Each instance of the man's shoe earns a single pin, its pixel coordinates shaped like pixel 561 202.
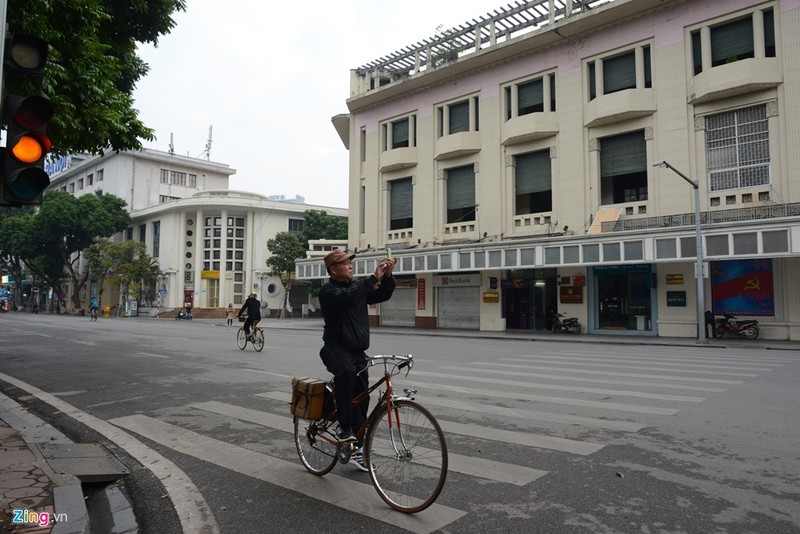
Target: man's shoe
pixel 345 436
pixel 357 461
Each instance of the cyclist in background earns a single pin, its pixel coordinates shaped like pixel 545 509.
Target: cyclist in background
pixel 253 307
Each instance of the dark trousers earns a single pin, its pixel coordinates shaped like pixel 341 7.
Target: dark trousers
pixel 344 364
pixel 249 322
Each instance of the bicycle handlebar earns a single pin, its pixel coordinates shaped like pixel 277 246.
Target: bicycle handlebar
pixel 398 361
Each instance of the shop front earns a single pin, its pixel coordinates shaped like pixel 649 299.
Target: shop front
pixel 623 300
pixel 529 297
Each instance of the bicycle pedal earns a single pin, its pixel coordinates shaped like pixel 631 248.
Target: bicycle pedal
pixel 410 392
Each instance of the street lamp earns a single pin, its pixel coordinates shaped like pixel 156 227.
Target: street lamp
pixel 701 325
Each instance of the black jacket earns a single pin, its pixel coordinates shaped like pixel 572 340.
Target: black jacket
pixel 253 307
pixel 344 308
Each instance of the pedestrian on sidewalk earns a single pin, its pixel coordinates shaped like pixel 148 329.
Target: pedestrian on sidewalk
pixel 231 313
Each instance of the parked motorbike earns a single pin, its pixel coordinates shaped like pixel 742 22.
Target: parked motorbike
pixel 182 315
pixel 570 325
pixel 747 329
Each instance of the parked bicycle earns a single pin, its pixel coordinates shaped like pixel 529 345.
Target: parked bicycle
pixel 404 447
pixel 256 337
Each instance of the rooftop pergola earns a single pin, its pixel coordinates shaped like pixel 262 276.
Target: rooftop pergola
pixel 502 25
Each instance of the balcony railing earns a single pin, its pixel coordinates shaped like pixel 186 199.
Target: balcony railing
pixel 772 211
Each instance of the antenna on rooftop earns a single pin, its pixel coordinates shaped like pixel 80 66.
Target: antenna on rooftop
pixel 171 144
pixel 207 151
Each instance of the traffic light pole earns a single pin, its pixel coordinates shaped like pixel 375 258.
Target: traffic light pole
pixel 3 7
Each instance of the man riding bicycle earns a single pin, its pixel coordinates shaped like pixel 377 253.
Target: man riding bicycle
pixel 253 307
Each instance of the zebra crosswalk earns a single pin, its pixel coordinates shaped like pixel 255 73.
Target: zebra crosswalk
pixel 526 400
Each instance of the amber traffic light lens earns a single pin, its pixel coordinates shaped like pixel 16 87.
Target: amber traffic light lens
pixel 28 149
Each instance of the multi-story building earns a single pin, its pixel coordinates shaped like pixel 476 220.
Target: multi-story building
pixel 508 164
pixel 210 242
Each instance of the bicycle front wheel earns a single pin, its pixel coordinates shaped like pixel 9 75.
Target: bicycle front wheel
pixel 241 339
pixel 407 456
pixel 258 340
pixel 316 446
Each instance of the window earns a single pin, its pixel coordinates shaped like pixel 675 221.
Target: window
pixel 71 187
pixel 402 134
pixel 532 183
pixel 164 176
pixel 89 179
pixel 296 226
pixel 735 40
pixel 401 204
pixel 192 180
pixel 623 168
pixel 142 232
pixel 619 72
pixel 737 148
pixel 458 117
pixel 100 175
pixel 531 96
pixel 177 178
pixel 461 194
pixel 129 233
pixel 165 198
pixel 80 183
pixel 156 238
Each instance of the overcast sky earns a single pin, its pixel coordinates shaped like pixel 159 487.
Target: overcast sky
pixel 268 76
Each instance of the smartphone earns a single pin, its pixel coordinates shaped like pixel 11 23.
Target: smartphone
pixel 388 253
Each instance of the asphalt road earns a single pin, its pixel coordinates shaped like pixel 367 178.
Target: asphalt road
pixel 543 436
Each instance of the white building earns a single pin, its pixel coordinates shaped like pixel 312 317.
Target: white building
pixel 508 164
pixel 210 242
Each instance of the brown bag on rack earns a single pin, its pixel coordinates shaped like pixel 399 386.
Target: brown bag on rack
pixel 308 398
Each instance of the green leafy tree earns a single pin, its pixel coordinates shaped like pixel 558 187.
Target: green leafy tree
pixel 319 224
pixel 285 248
pixel 92 66
pixel 66 225
pixel 135 269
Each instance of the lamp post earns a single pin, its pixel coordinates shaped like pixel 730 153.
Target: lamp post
pixel 701 323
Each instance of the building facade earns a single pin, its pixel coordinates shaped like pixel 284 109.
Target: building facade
pixel 210 242
pixel 508 164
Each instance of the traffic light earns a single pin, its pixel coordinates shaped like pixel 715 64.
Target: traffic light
pixel 25 55
pixel 27 143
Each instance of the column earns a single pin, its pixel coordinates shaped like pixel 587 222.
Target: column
pixel 514 101
pixel 705 46
pixel 546 96
pixel 639 60
pixel 759 43
pixel 473 114
pixel 598 78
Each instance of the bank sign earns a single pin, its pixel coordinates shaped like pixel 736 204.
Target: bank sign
pixel 457 280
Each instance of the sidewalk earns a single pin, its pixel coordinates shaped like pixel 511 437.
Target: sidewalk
pixel 35 497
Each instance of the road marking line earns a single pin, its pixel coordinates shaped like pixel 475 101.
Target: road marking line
pixel 614 373
pixel 542 398
pixel 479 467
pixel 592 380
pixel 628 366
pixel 600 359
pixel 562 387
pixel 357 497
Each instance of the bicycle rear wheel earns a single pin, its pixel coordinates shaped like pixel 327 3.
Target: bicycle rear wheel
pixel 241 339
pixel 407 456
pixel 258 340
pixel 316 445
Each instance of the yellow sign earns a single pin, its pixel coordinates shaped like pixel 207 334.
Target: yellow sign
pixel 674 279
pixel 205 275
pixel 491 296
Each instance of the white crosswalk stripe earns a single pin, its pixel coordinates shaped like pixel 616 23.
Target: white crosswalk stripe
pixel 593 399
pixel 353 496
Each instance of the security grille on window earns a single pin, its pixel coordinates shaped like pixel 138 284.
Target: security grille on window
pixel 401 204
pixel 461 194
pixel 737 148
pixel 533 183
pixel 623 168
